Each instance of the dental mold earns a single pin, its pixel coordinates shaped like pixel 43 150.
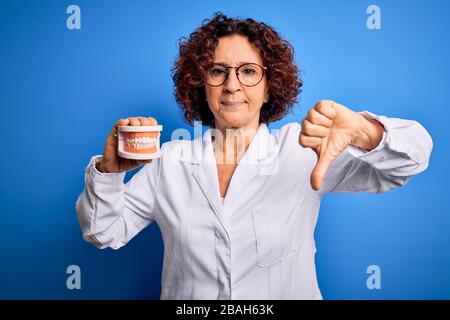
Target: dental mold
pixel 139 142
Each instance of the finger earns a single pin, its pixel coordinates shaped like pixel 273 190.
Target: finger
pixel 317 118
pixel 134 121
pixel 309 142
pixel 320 170
pixel 113 133
pixel 153 121
pixel 313 130
pixel 144 121
pixel 317 151
pixel 122 122
pixel 326 108
pixel 111 140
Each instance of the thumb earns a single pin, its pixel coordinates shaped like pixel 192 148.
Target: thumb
pixel 325 159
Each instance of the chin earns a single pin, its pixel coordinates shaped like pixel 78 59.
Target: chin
pixel 234 121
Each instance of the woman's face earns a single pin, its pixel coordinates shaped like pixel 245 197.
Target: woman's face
pixel 233 104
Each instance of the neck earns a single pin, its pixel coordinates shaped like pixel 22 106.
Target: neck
pixel 230 143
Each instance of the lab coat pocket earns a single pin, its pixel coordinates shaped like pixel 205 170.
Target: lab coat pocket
pixel 277 231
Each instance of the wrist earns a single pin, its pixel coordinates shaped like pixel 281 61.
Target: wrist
pixel 369 133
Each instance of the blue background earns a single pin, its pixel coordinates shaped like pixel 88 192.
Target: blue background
pixel 61 91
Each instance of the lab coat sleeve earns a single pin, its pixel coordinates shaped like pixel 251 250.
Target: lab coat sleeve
pixel 110 212
pixel 403 152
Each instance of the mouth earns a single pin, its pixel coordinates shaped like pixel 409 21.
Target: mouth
pixel 232 103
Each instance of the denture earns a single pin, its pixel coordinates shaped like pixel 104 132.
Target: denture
pixel 139 142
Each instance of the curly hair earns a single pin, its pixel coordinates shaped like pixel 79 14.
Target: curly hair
pixel 196 55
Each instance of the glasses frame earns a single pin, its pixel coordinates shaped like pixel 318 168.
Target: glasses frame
pixel 264 69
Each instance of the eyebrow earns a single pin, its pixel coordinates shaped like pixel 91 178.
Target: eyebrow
pixel 227 65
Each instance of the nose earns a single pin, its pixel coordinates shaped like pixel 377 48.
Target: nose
pixel 232 84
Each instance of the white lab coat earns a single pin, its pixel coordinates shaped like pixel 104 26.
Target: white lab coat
pixel 258 244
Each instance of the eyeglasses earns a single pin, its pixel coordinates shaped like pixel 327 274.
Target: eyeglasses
pixel 248 74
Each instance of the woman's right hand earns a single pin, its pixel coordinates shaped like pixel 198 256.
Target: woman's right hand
pixel 111 161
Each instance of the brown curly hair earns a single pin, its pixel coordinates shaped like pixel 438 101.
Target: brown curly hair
pixel 196 55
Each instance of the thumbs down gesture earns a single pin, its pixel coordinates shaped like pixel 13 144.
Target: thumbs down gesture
pixel 329 128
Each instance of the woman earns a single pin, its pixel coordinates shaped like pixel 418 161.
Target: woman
pixel 236 76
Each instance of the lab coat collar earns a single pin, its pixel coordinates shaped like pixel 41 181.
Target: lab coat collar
pixel 263 148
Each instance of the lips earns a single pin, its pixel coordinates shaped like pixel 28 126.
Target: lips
pixel 232 103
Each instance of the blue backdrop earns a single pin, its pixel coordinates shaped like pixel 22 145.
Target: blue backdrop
pixel 61 91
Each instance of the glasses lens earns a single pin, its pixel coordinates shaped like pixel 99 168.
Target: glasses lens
pixel 216 75
pixel 250 74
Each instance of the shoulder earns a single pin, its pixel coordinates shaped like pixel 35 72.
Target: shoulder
pixel 289 129
pixel 287 138
pixel 287 135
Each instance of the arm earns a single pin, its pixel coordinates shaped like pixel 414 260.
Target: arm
pixel 362 152
pixel 403 151
pixel 111 212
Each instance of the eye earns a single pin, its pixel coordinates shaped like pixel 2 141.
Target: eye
pixel 217 71
pixel 249 71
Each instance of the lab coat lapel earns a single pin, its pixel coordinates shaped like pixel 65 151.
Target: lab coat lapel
pixel 204 171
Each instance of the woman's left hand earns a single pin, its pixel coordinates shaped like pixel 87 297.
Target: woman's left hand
pixel 329 128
